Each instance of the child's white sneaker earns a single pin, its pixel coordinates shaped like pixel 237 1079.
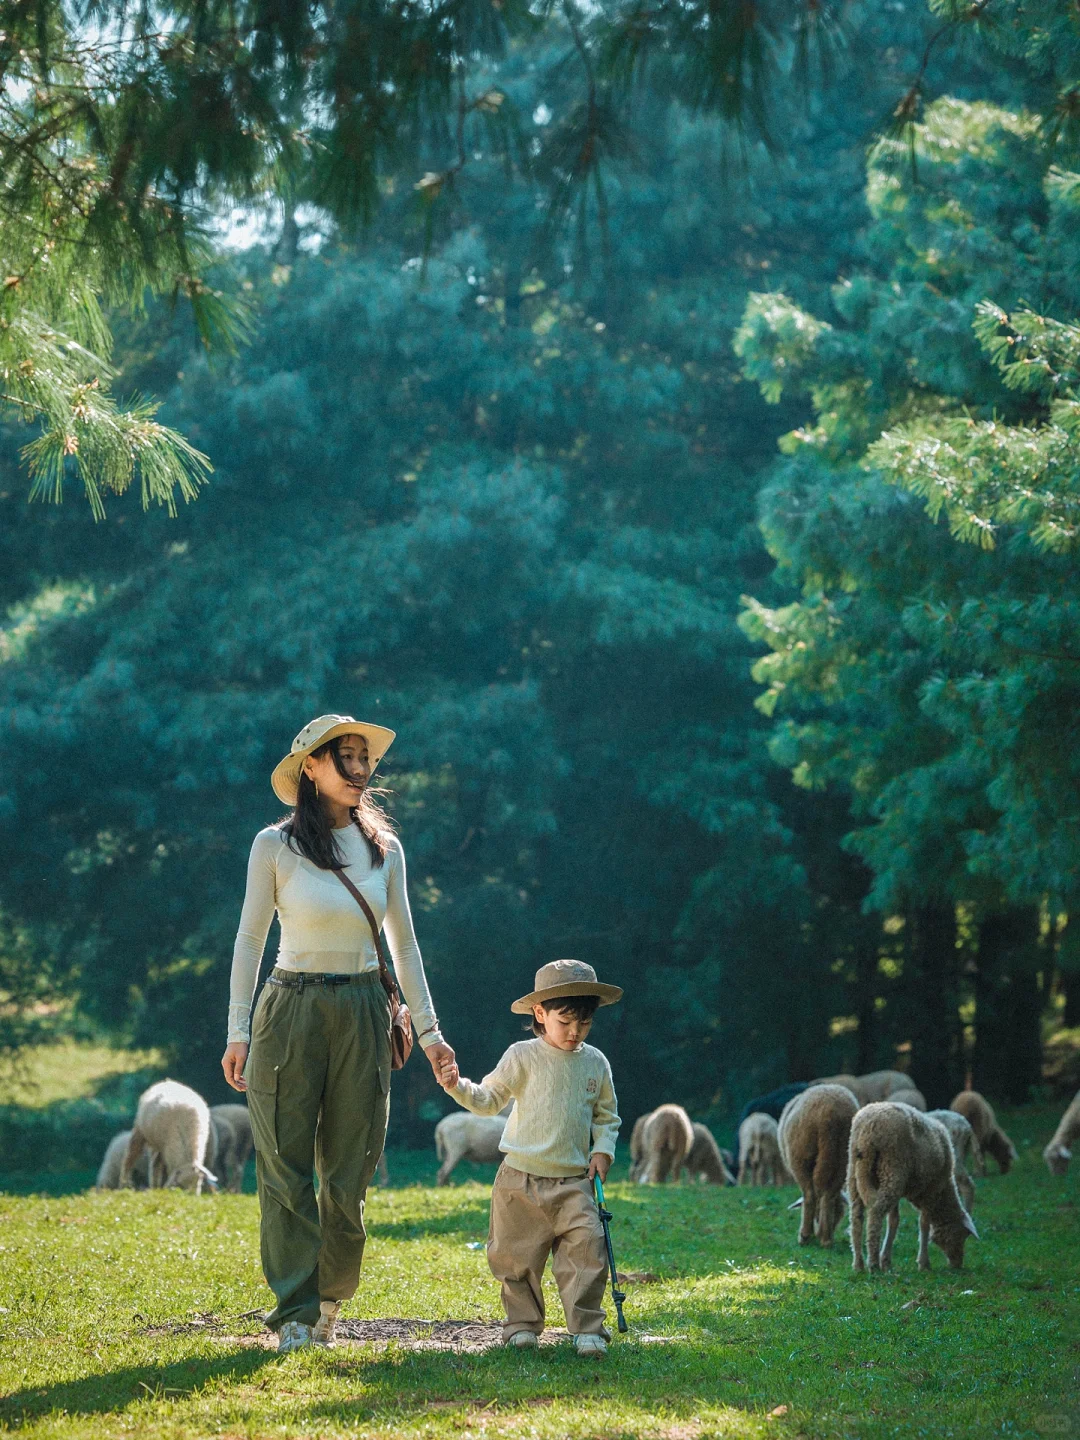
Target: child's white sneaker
pixel 293 1335
pixel 592 1347
pixel 323 1334
pixel 523 1340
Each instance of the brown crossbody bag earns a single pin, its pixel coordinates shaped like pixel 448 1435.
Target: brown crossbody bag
pixel 401 1026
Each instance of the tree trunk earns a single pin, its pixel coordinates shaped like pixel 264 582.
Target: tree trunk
pixel 932 993
pixel 1007 1060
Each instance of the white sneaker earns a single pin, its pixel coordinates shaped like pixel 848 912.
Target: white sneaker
pixel 323 1334
pixel 593 1347
pixel 523 1340
pixel 293 1335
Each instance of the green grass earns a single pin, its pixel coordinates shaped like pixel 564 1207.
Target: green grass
pixel 71 1070
pixel 750 1321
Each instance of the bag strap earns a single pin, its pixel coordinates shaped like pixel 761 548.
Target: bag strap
pixel 384 974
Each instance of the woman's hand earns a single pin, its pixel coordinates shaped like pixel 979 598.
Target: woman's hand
pixel 441 1058
pixel 233 1062
pixel 599 1164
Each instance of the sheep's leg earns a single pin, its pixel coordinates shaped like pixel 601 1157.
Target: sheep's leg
pixel 873 1234
pixel 924 1240
pixel 826 1221
pixel 806 1222
pixel 135 1147
pixel 890 1236
pixel 857 1208
pixel 453 1156
pixel 980 1161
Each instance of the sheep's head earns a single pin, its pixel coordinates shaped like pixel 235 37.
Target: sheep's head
pixel 191 1177
pixel 952 1237
pixel 1057 1158
pixel 998 1144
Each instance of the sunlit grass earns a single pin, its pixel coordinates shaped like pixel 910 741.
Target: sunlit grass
pixel 739 1323
pixel 69 1070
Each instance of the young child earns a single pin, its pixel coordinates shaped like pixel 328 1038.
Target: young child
pixel 561 1132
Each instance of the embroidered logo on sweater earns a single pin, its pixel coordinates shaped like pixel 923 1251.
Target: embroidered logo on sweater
pixel 592 1086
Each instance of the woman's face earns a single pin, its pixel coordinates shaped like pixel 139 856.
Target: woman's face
pixel 353 753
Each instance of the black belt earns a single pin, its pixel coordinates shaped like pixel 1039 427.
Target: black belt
pixel 318 978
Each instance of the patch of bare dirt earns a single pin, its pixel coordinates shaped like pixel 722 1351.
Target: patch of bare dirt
pixel 464 1336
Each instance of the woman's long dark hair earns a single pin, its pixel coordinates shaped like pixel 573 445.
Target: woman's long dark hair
pixel 308 830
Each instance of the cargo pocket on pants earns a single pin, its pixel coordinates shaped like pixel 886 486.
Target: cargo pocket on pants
pixel 262 1095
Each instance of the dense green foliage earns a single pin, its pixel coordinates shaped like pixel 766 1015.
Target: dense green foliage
pixel 505 498
pixel 143 1293
pixel 935 681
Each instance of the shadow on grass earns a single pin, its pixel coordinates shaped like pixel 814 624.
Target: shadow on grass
pixel 113 1390
pixel 472 1222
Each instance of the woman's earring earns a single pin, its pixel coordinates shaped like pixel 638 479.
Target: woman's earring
pixel 316 784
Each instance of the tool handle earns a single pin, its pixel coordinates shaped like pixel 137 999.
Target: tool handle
pixel 605 1220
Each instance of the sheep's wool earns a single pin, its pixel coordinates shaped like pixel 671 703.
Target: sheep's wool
pixel 565 1106
pixel 323 929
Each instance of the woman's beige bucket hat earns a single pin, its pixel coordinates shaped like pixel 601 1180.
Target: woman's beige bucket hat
pixel 560 978
pixel 286 776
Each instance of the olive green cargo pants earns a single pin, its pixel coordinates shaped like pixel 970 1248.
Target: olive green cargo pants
pixel 318 1076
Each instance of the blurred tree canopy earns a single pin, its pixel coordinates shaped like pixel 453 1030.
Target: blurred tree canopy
pixel 502 488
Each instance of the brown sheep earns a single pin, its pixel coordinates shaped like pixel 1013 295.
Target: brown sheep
pixel 760 1162
pixel 813 1132
pixel 965 1148
pixel 979 1114
pixel 663 1142
pixel 1058 1152
pixel 896 1154
pixel 706 1160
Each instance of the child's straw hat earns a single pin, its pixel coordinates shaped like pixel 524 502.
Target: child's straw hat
pixel 286 776
pixel 561 978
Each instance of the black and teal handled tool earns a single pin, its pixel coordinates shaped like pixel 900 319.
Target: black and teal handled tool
pixel 605 1219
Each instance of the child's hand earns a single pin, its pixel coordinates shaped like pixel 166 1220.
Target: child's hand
pixel 450 1077
pixel 599 1164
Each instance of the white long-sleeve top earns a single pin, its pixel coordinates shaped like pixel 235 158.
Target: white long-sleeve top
pixel 564 1109
pixel 323 929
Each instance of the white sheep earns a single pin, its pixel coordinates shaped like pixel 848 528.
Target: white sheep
pixel 908 1096
pixel 760 1161
pixel 173 1122
pixel 660 1145
pixel 706 1160
pixel 965 1149
pixel 1058 1153
pixel 877 1085
pixel 979 1114
pixel 813 1133
pixel 108 1176
pixel 230 1144
pixel 897 1153
pixel 461 1136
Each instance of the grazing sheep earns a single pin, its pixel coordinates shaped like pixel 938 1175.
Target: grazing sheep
pixel 965 1147
pixel 759 1152
pixel 771 1103
pixel 877 1085
pixel 909 1096
pixel 1057 1153
pixel 706 1159
pixel 665 1140
pixel 382 1171
pixel 108 1177
pixel 174 1122
pixel 467 1137
pixel 979 1114
pixel 813 1134
pixel 230 1144
pixel 897 1153
pixel 637 1146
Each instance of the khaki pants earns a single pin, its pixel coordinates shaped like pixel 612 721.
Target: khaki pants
pixel 318 1078
pixel 533 1217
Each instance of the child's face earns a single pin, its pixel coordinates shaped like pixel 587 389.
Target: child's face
pixel 561 1029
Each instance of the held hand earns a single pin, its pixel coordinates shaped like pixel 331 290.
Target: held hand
pixel 441 1059
pixel 599 1164
pixel 233 1062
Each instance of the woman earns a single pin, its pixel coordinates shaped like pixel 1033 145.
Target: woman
pixel 318 1075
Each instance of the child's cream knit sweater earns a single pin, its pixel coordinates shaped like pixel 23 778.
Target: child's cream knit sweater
pixel 564 1107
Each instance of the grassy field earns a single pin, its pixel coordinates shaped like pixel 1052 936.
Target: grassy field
pixel 130 1314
